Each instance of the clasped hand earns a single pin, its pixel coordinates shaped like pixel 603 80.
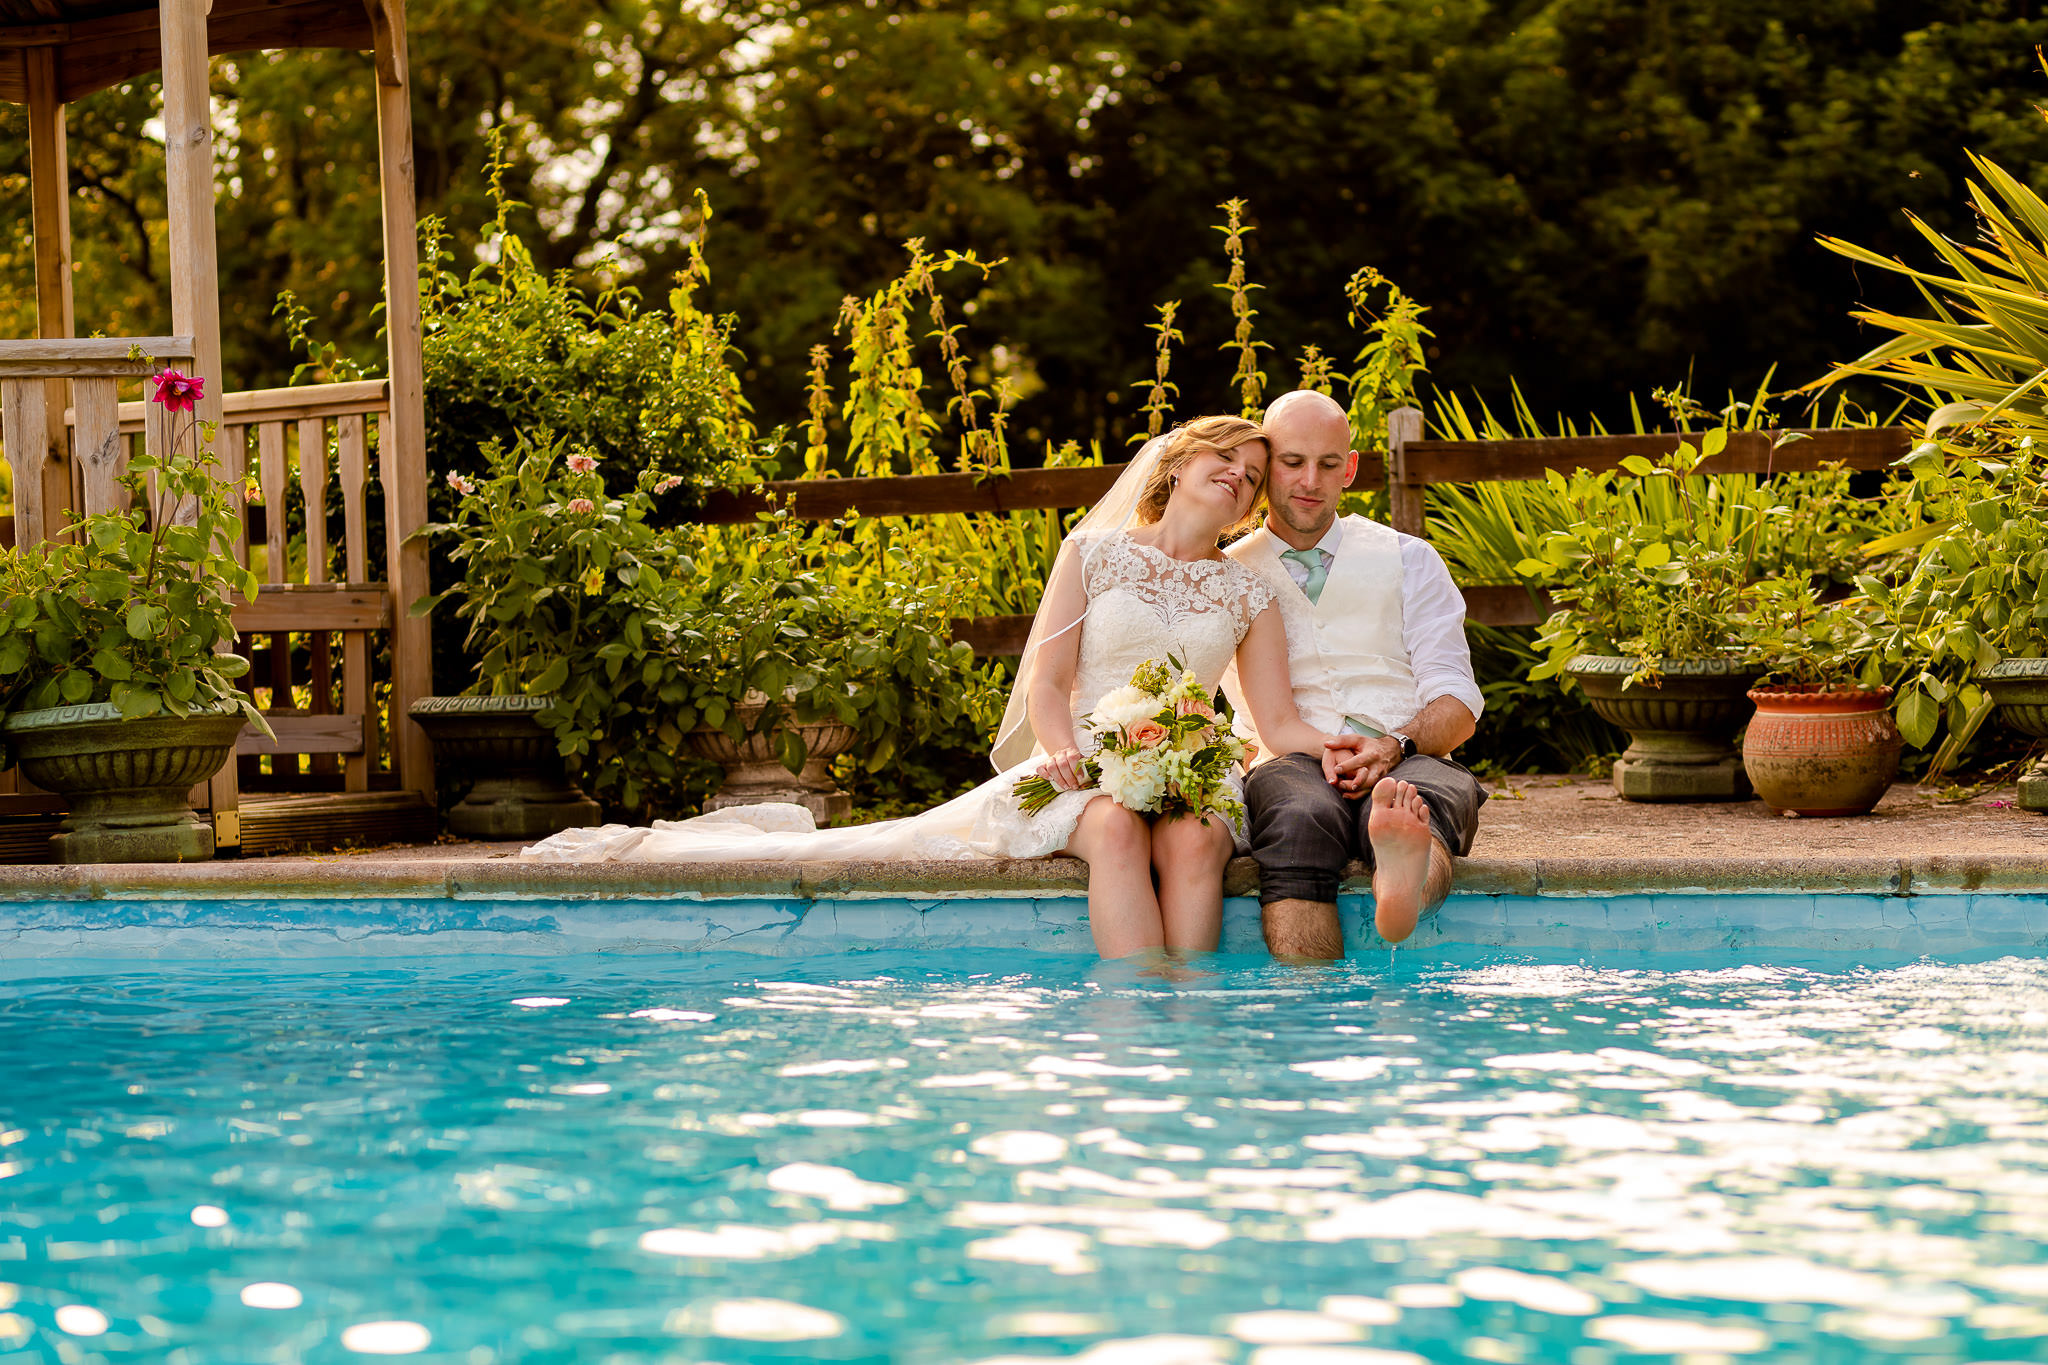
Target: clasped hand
pixel 1354 764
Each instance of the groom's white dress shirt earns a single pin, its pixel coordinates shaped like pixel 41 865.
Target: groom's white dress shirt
pixel 1432 618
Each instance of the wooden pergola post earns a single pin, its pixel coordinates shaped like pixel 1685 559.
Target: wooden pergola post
pixel 402 438
pixel 195 263
pixel 50 217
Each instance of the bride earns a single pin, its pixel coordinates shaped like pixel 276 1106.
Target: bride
pixel 1140 578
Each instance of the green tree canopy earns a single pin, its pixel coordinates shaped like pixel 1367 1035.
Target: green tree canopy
pixel 1593 196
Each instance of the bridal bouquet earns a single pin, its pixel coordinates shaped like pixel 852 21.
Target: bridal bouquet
pixel 1163 751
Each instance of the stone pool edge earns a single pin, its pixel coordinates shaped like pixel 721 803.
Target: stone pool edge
pixel 506 879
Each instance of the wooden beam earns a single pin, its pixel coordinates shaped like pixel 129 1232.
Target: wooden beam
pixel 315 606
pixel 104 52
pixel 1404 499
pixel 49 175
pixel 402 433
pixel 194 263
pixel 309 402
pixel 92 352
pixel 24 435
pixel 303 734
pixel 35 35
pixel 1748 452
pixel 13 76
pixel 930 494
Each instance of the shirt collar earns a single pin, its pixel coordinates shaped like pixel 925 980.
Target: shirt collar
pixel 1332 538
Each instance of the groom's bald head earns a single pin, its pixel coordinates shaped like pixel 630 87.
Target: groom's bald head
pixel 1312 462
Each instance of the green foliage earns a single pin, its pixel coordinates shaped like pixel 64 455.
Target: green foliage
pixel 1972 589
pixel 1965 582
pixel 815 627
pixel 1446 143
pixel 1653 563
pixel 137 606
pixel 1800 639
pixel 642 633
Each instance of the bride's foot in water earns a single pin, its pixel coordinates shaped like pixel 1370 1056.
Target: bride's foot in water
pixel 1399 830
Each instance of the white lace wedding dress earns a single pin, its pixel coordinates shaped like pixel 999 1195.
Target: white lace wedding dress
pixel 1143 604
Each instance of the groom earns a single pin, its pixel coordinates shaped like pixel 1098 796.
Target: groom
pixel 1377 653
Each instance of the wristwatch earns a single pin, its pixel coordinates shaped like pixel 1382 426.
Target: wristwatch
pixel 1407 744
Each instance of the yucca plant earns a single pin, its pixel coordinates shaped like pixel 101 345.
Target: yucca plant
pixel 1970 584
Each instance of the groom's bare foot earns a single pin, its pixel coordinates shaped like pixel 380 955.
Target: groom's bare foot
pixel 1399 830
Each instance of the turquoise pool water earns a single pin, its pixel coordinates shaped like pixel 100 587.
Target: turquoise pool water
pixel 986 1156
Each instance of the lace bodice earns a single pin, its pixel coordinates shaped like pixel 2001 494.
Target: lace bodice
pixel 1145 604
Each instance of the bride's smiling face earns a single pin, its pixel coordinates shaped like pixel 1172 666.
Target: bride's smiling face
pixel 1225 482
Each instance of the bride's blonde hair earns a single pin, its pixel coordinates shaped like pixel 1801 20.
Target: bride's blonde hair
pixel 1187 441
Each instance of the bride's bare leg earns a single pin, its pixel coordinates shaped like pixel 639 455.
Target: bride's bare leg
pixel 1123 912
pixel 1188 858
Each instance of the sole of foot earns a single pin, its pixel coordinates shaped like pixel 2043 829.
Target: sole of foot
pixel 1399 830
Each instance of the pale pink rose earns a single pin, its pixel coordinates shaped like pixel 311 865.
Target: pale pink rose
pixel 1195 706
pixel 461 485
pixel 1149 734
pixel 582 464
pixel 582 505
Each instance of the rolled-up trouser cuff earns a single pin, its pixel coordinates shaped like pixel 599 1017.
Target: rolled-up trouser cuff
pixel 1298 884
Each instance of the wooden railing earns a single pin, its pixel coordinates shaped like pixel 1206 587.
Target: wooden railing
pixel 311 631
pixel 1412 466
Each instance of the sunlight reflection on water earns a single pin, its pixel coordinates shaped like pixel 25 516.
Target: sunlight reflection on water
pixel 1020 1157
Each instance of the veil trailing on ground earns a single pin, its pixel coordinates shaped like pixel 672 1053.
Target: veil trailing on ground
pixel 1015 740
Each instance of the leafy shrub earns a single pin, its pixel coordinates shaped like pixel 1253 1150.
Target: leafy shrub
pixel 135 607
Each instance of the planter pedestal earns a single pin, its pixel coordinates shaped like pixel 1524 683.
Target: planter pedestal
pixel 128 781
pixel 755 775
pixel 521 789
pixel 1682 734
pixel 2020 687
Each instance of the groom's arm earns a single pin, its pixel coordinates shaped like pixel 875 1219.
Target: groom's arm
pixel 1433 633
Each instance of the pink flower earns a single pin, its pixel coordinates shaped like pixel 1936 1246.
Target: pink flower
pixel 461 485
pixel 252 491
pixel 1195 706
pixel 1149 734
pixel 177 390
pixel 582 464
pixel 582 505
pixel 672 481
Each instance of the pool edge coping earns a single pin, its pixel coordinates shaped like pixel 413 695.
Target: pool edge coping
pixel 502 878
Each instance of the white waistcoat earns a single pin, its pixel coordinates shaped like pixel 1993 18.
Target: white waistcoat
pixel 1346 653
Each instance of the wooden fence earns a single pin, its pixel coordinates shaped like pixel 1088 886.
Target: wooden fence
pixel 317 631
pixel 1411 467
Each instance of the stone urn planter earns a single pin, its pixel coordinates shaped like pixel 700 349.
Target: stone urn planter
pixel 521 790
pixel 1815 750
pixel 754 773
pixel 128 781
pixel 1681 734
pixel 2020 687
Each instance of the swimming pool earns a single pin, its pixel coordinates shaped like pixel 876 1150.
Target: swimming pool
pixel 998 1154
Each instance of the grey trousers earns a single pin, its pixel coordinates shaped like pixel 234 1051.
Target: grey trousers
pixel 1303 830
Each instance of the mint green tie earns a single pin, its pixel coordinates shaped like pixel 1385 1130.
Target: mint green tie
pixel 1312 560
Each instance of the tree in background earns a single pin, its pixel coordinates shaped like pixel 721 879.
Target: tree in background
pixel 1594 196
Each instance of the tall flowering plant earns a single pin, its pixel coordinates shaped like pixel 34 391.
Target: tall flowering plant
pixel 1162 749
pixel 136 606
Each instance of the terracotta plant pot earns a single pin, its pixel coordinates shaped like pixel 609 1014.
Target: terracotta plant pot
pixel 1681 733
pixel 1815 750
pixel 520 788
pixel 754 771
pixel 128 781
pixel 2020 687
